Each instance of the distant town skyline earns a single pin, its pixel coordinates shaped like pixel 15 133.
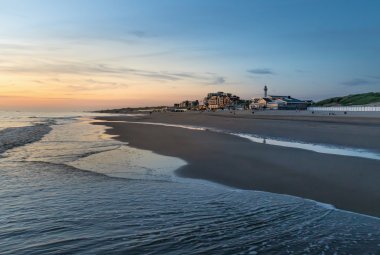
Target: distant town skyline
pixel 107 54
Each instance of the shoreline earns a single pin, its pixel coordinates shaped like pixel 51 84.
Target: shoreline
pixel 347 183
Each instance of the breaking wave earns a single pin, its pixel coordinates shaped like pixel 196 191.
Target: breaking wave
pixel 19 136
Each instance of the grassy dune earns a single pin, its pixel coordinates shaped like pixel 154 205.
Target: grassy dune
pixel 358 99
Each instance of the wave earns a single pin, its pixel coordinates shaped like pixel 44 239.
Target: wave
pixel 52 206
pixel 19 136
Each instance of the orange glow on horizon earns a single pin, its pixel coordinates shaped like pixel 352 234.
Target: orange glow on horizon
pixel 35 93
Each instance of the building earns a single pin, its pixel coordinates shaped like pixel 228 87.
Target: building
pixel 274 102
pixel 279 103
pixel 259 103
pixel 187 105
pixel 194 105
pixel 290 103
pixel 184 105
pixel 221 100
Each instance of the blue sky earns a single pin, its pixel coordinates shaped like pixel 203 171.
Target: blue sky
pixel 162 51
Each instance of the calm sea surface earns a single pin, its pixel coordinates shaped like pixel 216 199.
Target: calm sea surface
pixel 67 188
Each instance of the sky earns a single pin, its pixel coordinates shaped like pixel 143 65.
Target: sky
pixel 96 54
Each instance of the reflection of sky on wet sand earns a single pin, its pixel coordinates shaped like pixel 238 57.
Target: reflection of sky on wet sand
pixel 131 163
pixel 167 125
pixel 48 206
pixel 76 142
pixel 320 148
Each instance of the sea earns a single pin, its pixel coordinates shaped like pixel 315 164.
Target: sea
pixel 66 187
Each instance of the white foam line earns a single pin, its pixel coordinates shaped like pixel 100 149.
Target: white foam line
pixel 320 148
pixel 168 125
pixel 258 140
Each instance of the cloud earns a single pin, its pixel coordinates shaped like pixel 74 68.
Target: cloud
pixel 139 33
pixel 185 75
pixel 261 71
pixel 220 80
pixel 103 70
pixel 11 48
pixel 375 77
pixel 95 86
pixel 157 75
pixel 211 78
pixel 151 54
pixel 208 78
pixel 57 67
pixel 83 69
pixel 32 97
pixel 106 83
pixel 357 82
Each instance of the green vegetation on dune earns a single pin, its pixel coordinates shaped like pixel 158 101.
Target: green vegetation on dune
pixel 358 99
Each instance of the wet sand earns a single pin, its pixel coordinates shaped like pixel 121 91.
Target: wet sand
pixel 348 183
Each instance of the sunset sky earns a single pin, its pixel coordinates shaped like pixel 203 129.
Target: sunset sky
pixel 86 54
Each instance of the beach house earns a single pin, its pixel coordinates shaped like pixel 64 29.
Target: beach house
pixel 279 103
pixel 221 100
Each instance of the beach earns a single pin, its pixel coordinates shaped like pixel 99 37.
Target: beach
pixel 346 182
pixel 191 187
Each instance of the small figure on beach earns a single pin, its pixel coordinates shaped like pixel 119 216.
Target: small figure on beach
pixel 150 113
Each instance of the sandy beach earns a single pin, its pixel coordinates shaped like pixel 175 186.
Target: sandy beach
pixel 349 183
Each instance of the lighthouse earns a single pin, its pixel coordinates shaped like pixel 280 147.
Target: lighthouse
pixel 265 91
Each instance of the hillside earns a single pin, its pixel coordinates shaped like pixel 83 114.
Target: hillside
pixel 358 99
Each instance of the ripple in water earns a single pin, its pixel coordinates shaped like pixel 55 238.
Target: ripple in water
pixel 50 207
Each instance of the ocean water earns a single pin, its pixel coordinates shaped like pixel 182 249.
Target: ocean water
pixel 67 188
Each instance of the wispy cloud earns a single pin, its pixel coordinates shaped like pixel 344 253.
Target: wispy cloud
pixel 220 80
pixel 103 70
pixel 140 34
pixel 157 75
pixel 357 82
pixel 27 48
pixel 106 83
pixel 206 78
pixel 97 85
pixel 374 77
pixel 33 97
pixel 261 71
